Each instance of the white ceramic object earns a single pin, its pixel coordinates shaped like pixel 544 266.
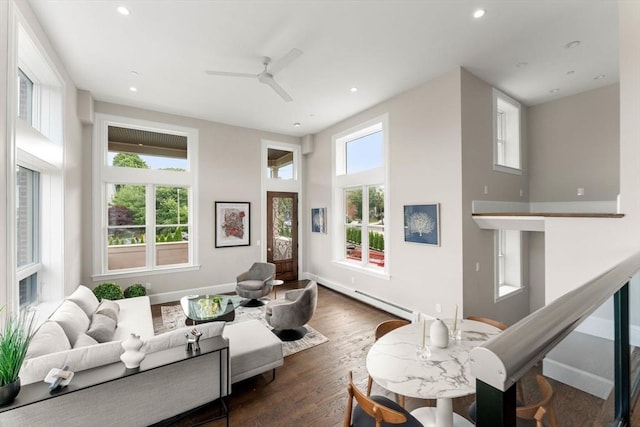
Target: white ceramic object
pixel 132 356
pixel 439 334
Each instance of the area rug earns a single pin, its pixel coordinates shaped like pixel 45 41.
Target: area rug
pixel 173 317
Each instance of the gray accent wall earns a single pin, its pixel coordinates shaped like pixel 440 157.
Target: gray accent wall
pixel 477 172
pixel 575 142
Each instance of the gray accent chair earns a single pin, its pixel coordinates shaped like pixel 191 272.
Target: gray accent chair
pixel 255 283
pixel 288 316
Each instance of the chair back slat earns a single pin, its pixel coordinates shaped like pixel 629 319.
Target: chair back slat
pixel 377 411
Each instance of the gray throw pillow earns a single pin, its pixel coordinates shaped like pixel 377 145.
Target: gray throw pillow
pixel 102 328
pixel 109 308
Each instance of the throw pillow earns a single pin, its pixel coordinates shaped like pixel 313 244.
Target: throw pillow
pixel 84 340
pixel 72 318
pixel 85 298
pixel 102 328
pixel 109 308
pixel 48 338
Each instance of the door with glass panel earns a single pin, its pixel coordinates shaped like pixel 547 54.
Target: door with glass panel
pixel 282 234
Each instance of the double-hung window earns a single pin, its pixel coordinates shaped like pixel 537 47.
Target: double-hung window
pixel 360 199
pixel 508 262
pixel 506 133
pixel 146 177
pixel 28 234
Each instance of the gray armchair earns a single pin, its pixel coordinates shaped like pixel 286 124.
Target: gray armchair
pixel 255 283
pixel 289 315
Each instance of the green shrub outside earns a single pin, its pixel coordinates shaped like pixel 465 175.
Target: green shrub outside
pixel 135 290
pixel 108 290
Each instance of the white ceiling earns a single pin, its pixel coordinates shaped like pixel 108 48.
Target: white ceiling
pixel 382 47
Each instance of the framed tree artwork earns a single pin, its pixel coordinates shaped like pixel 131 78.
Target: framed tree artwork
pixel 319 220
pixel 232 224
pixel 422 224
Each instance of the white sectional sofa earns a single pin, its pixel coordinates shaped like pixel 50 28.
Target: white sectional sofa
pixel 83 333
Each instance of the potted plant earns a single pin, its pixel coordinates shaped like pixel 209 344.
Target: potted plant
pixel 108 290
pixel 15 337
pixel 135 290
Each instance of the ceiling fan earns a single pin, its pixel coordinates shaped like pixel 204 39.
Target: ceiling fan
pixel 266 76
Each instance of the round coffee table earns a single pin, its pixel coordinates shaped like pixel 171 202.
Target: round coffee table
pixel 275 283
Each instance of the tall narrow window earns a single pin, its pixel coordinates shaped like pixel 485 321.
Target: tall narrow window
pixel 359 186
pixel 28 234
pixel 508 258
pixel 506 125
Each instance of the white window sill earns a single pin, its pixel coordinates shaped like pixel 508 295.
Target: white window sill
pixel 507 169
pixel 138 273
pixel 506 291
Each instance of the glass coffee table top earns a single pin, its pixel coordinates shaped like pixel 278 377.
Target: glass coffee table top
pixel 209 308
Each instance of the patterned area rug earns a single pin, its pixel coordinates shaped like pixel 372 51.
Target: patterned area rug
pixel 173 317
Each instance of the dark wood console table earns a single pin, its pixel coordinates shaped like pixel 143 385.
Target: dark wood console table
pixel 167 384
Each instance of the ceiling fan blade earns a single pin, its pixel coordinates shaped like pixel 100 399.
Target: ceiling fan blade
pixel 229 74
pixel 285 60
pixel 279 90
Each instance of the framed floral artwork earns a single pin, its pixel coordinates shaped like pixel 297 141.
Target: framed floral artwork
pixel 422 224
pixel 232 224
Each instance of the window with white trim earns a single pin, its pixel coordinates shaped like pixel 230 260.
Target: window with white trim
pixel 360 199
pixel 39 190
pixel 147 179
pixel 506 133
pixel 508 260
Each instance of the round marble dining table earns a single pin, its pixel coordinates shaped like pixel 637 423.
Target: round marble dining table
pixel 395 363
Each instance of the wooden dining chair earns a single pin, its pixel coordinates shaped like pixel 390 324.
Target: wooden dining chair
pixel 536 411
pixel 494 323
pixel 382 329
pixel 374 410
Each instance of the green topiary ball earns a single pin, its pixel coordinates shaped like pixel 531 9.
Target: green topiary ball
pixel 108 290
pixel 135 290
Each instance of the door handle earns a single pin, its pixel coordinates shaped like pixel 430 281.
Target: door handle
pixel 268 249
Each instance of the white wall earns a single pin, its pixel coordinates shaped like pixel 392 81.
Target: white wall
pixel 578 250
pixel 5 276
pixel 425 153
pixel 229 167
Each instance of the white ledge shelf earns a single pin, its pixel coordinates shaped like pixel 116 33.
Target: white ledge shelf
pixel 528 221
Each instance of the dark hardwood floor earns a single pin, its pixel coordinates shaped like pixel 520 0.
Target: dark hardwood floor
pixel 310 390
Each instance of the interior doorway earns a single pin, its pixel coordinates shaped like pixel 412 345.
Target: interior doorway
pixel 282 233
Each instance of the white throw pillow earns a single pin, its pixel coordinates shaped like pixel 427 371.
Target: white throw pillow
pixel 85 298
pixel 84 340
pixel 49 338
pixel 72 318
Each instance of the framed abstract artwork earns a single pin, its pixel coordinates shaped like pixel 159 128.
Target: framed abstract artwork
pixel 422 224
pixel 232 224
pixel 319 220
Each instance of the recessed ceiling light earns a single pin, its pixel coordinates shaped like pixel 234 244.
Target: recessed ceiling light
pixel 479 13
pixel 572 44
pixel 133 89
pixel 554 91
pixel 124 11
pixel 522 64
pixel 599 76
pixel 570 72
pixel 354 89
pixel 296 124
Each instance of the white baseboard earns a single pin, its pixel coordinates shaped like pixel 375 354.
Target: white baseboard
pixel 367 299
pixel 206 290
pixel 604 328
pixel 582 380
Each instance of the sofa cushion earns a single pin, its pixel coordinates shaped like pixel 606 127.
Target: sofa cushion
pixel 102 328
pixel 253 349
pixel 85 298
pixel 109 308
pixel 84 340
pixel 72 318
pixel 48 338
